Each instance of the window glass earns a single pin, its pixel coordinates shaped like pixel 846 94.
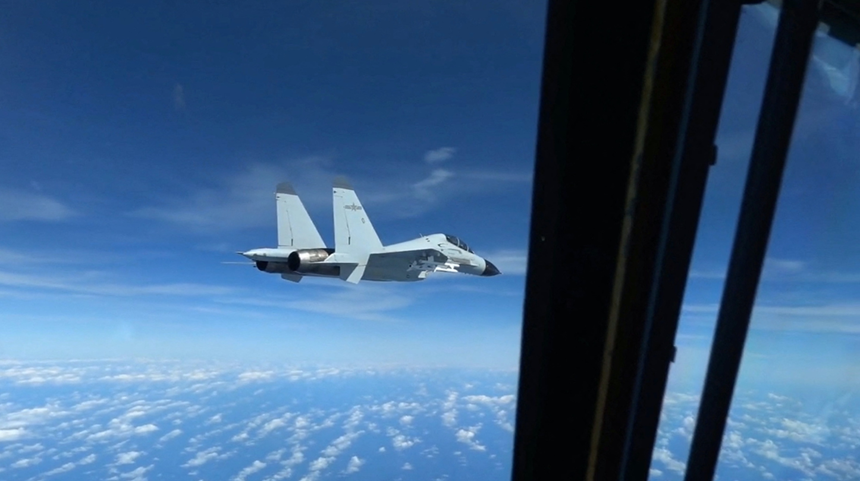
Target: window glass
pixel 794 414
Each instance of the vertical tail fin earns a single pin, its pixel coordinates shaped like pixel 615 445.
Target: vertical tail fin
pixel 353 232
pixel 296 230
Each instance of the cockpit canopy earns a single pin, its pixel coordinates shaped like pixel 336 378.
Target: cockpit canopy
pixel 457 242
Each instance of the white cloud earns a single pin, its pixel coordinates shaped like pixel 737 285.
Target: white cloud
pixel 833 318
pixel 120 427
pixel 467 436
pixel 8 256
pixel 274 424
pixel 338 445
pixel 256 375
pixel 787 439
pixel 688 425
pixel 16 424
pixel 11 434
pixel 354 465
pixel 170 435
pixel 282 474
pixel 80 283
pixel 450 400
pixel 31 448
pixel 425 189
pixel 203 457
pixel 731 451
pixel 355 417
pixel 146 428
pixel 491 400
pixel 243 200
pixel 840 468
pixel 275 455
pixel 787 270
pixel 368 303
pixel 92 403
pixel 674 398
pixel 26 462
pixel 287 470
pixel 449 418
pixel 62 469
pixel 473 402
pixel 770 450
pixel 128 457
pixel 249 470
pixel 665 456
pixel 439 155
pixel 127 412
pixel 407 467
pixel 392 408
pixel 297 457
pixel 137 473
pixel 401 442
pixel 320 463
pixel 302 422
pixel 800 431
pixel 70 466
pixel 503 421
pixel 18 204
pixel 654 473
pixel 775 265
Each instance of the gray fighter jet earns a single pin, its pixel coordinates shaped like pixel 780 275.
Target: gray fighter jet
pixel 358 253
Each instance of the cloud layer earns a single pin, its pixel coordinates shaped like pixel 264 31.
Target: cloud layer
pixel 17 205
pixel 218 418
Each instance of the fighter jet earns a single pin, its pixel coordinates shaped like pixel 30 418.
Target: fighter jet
pixel 358 253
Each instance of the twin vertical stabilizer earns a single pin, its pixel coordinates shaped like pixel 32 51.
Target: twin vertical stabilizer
pixel 354 236
pixel 353 232
pixel 296 230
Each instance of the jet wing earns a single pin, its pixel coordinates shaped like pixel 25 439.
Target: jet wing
pixel 410 255
pixel 401 265
pixel 401 261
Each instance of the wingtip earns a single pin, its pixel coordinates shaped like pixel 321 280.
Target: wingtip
pixel 341 182
pixel 285 188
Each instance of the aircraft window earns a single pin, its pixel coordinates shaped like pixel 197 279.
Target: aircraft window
pixel 801 351
pixel 457 242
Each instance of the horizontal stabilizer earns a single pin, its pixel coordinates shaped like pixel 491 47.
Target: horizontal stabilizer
pixel 352 273
pixel 291 277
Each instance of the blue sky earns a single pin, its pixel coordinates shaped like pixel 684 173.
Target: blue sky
pixel 141 147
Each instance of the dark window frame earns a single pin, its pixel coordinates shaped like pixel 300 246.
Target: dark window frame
pixel 611 238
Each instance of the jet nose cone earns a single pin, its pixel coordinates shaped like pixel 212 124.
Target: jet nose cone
pixel 490 270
